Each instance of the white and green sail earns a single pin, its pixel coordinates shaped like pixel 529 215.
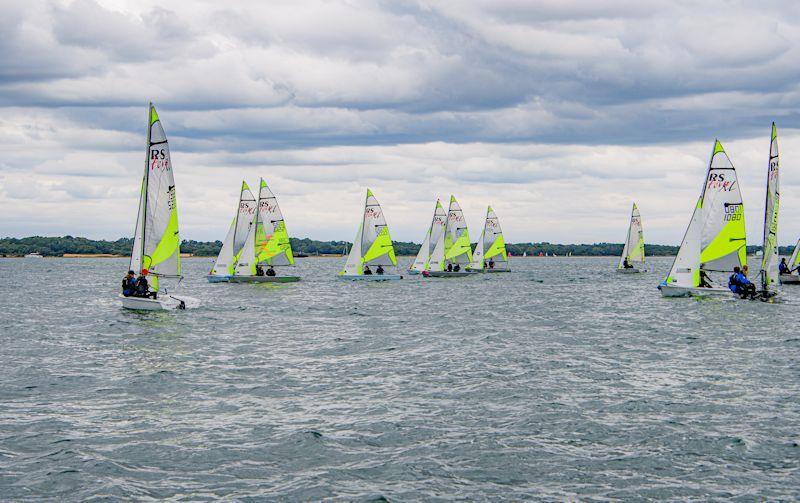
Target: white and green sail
pixel 156 244
pixel 435 231
pixel 237 234
pixel 769 261
pixel 272 239
pixel 633 249
pixel 453 246
pixel 715 239
pixel 794 260
pixel 491 246
pixel 267 240
pixel 372 245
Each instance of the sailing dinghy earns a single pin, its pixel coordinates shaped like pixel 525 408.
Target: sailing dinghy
pixel 633 250
pixel 769 260
pixel 372 246
pixel 431 238
pixel 267 244
pixel 453 249
pixel 490 253
pixel 794 263
pixel 156 243
pixel 225 264
pixel 715 240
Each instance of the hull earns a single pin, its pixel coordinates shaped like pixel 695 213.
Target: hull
pixel 789 279
pixel 445 274
pixel 682 291
pixel 631 270
pixel 264 279
pixel 413 272
pixel 164 302
pixel 212 278
pixel 371 277
pixel 477 271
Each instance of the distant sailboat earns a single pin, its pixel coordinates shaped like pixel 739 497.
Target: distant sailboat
pixel 633 249
pixel 715 240
pixel 794 263
pixel 435 231
pixel 372 246
pixel 267 244
pixel 490 253
pixel 453 250
pixel 225 264
pixel 156 243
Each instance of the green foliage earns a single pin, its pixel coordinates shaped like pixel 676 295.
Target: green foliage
pixel 58 246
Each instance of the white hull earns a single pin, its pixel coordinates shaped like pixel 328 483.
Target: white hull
pixel 447 274
pixel 413 272
pixel 630 270
pixel 165 302
pixel 682 291
pixel 476 271
pixel 370 277
pixel 789 279
pixel 264 279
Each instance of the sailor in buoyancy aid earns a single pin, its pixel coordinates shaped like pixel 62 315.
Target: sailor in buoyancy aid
pixel 739 284
pixel 129 284
pixel 143 287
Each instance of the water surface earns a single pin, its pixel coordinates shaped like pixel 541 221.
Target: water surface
pixel 561 380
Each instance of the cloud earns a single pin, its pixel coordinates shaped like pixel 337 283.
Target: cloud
pixel 558 113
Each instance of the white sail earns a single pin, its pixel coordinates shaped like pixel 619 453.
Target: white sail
pixel 435 231
pixel 457 246
pixel 769 262
pixel 237 234
pixel 724 242
pixel 633 249
pixel 372 245
pixel 794 260
pixel 477 253
pixel 272 239
pixel 157 242
pixel 715 240
pixel 246 265
pixel 685 270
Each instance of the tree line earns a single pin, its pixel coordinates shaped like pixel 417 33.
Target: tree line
pixel 58 246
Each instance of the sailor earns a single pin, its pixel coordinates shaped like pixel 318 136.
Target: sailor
pixel 491 263
pixel 143 287
pixel 705 281
pixel 129 284
pixel 367 270
pixel 379 270
pixel 270 271
pixel 457 268
pixel 626 264
pixel 449 267
pixel 739 284
pixel 259 270
pixel 783 267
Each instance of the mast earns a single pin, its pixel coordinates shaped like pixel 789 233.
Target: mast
pixel 238 209
pixel 146 182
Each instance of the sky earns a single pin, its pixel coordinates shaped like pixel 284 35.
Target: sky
pixel 557 113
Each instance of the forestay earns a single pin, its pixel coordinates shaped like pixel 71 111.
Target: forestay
pixel 769 261
pixel 435 231
pixel 237 234
pixel 156 244
pixel 372 245
pixel 633 248
pixel 491 245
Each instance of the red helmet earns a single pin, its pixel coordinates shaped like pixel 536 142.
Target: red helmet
pixel 144 272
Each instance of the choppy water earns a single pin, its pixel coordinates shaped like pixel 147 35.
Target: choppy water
pixel 562 380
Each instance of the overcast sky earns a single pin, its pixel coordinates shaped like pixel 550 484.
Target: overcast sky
pixel 558 113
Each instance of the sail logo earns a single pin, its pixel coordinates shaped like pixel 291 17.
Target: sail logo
pixel 159 160
pixel 454 217
pixel 773 170
pixel 733 212
pixel 372 213
pixel 717 181
pixel 246 209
